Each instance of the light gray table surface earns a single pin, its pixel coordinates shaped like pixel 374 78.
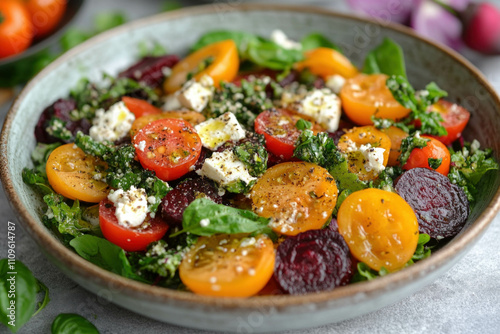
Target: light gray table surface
pixel 464 300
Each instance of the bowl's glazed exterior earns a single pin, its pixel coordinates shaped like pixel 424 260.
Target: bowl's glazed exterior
pixel 178 30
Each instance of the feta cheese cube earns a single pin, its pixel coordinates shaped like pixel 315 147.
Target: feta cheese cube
pixel 226 169
pixel 131 206
pixel 216 131
pixel 279 37
pixel 171 102
pixel 196 95
pixel 335 83
pixel 113 124
pixel 321 105
pixel 374 158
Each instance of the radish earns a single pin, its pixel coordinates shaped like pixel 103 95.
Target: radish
pixel 482 28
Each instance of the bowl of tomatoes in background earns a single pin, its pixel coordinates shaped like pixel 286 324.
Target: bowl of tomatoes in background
pixel 28 27
pixel 113 51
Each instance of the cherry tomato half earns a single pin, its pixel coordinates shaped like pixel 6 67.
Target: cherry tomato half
pixel 228 265
pixel 326 62
pixel 222 66
pixel 130 239
pixel 16 30
pixel 366 95
pixel 168 147
pixel 298 196
pixel 71 173
pixel 434 156
pixel 45 14
pixel 455 118
pixel 278 128
pixel 140 107
pixel 193 117
pixel 396 135
pixel 379 227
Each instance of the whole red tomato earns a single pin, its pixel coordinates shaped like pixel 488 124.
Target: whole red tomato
pixel 16 30
pixel 45 14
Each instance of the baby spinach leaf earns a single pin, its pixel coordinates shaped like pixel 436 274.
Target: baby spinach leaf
pixel 104 254
pixel 317 40
pixel 241 39
pixel 387 58
pixel 70 323
pixel 18 292
pixel 34 178
pixel 271 55
pixel 204 217
pixel 302 124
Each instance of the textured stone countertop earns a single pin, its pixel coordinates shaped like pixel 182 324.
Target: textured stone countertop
pixel 464 300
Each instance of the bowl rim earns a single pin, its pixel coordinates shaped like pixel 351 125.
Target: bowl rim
pixel 130 287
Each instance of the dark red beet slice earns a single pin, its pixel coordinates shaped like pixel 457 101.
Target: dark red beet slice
pixel 177 200
pixel 441 207
pixel 60 109
pixel 316 260
pixel 149 70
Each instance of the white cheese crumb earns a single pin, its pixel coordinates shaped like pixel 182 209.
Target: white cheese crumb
pixel 374 157
pixel 216 131
pixel 196 95
pixel 141 146
pixel 225 169
pixel 279 37
pixel 204 222
pixel 113 124
pixel 131 206
pixel 335 83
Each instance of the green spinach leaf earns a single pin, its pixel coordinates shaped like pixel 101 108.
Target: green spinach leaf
pixel 317 40
pixel 69 323
pixel 18 294
pixel 387 58
pixel 205 218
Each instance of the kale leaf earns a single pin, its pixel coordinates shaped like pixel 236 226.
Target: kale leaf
pixel 418 103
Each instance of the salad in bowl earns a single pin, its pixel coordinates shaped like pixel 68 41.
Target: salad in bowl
pixel 256 166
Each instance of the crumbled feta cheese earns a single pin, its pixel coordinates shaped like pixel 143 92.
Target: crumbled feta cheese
pixel 279 37
pixel 131 206
pixel 474 146
pixel 374 158
pixel 204 222
pixel 216 131
pixel 196 95
pixel 113 124
pixel 320 104
pixel 171 102
pixel 141 146
pixel 225 169
pixel 335 83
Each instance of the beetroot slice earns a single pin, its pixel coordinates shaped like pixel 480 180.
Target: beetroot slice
pixel 178 199
pixel 150 70
pixel 315 260
pixel 441 207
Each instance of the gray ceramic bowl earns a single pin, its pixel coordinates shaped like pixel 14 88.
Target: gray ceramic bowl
pixel 114 50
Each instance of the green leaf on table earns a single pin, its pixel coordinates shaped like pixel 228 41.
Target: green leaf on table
pixel 387 58
pixel 205 218
pixel 18 294
pixel 317 40
pixel 70 323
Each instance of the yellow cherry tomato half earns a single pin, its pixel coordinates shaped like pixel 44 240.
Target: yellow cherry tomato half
pixel 379 227
pixel 71 173
pixel 361 160
pixel 218 60
pixel 228 265
pixel 297 196
pixel 366 95
pixel 326 62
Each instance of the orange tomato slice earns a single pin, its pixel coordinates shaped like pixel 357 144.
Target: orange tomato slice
pixel 228 265
pixel 224 65
pixel 297 196
pixel 326 62
pixel 366 95
pixel 396 135
pixel 379 227
pixel 71 173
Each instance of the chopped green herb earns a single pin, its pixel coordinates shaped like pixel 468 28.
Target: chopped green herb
pixel 302 124
pixel 434 163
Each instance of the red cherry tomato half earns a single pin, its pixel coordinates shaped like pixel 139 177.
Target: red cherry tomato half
pixel 455 118
pixel 278 128
pixel 169 147
pixel 130 239
pixel 419 157
pixel 140 107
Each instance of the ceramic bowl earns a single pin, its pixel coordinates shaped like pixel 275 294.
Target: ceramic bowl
pixel 116 49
